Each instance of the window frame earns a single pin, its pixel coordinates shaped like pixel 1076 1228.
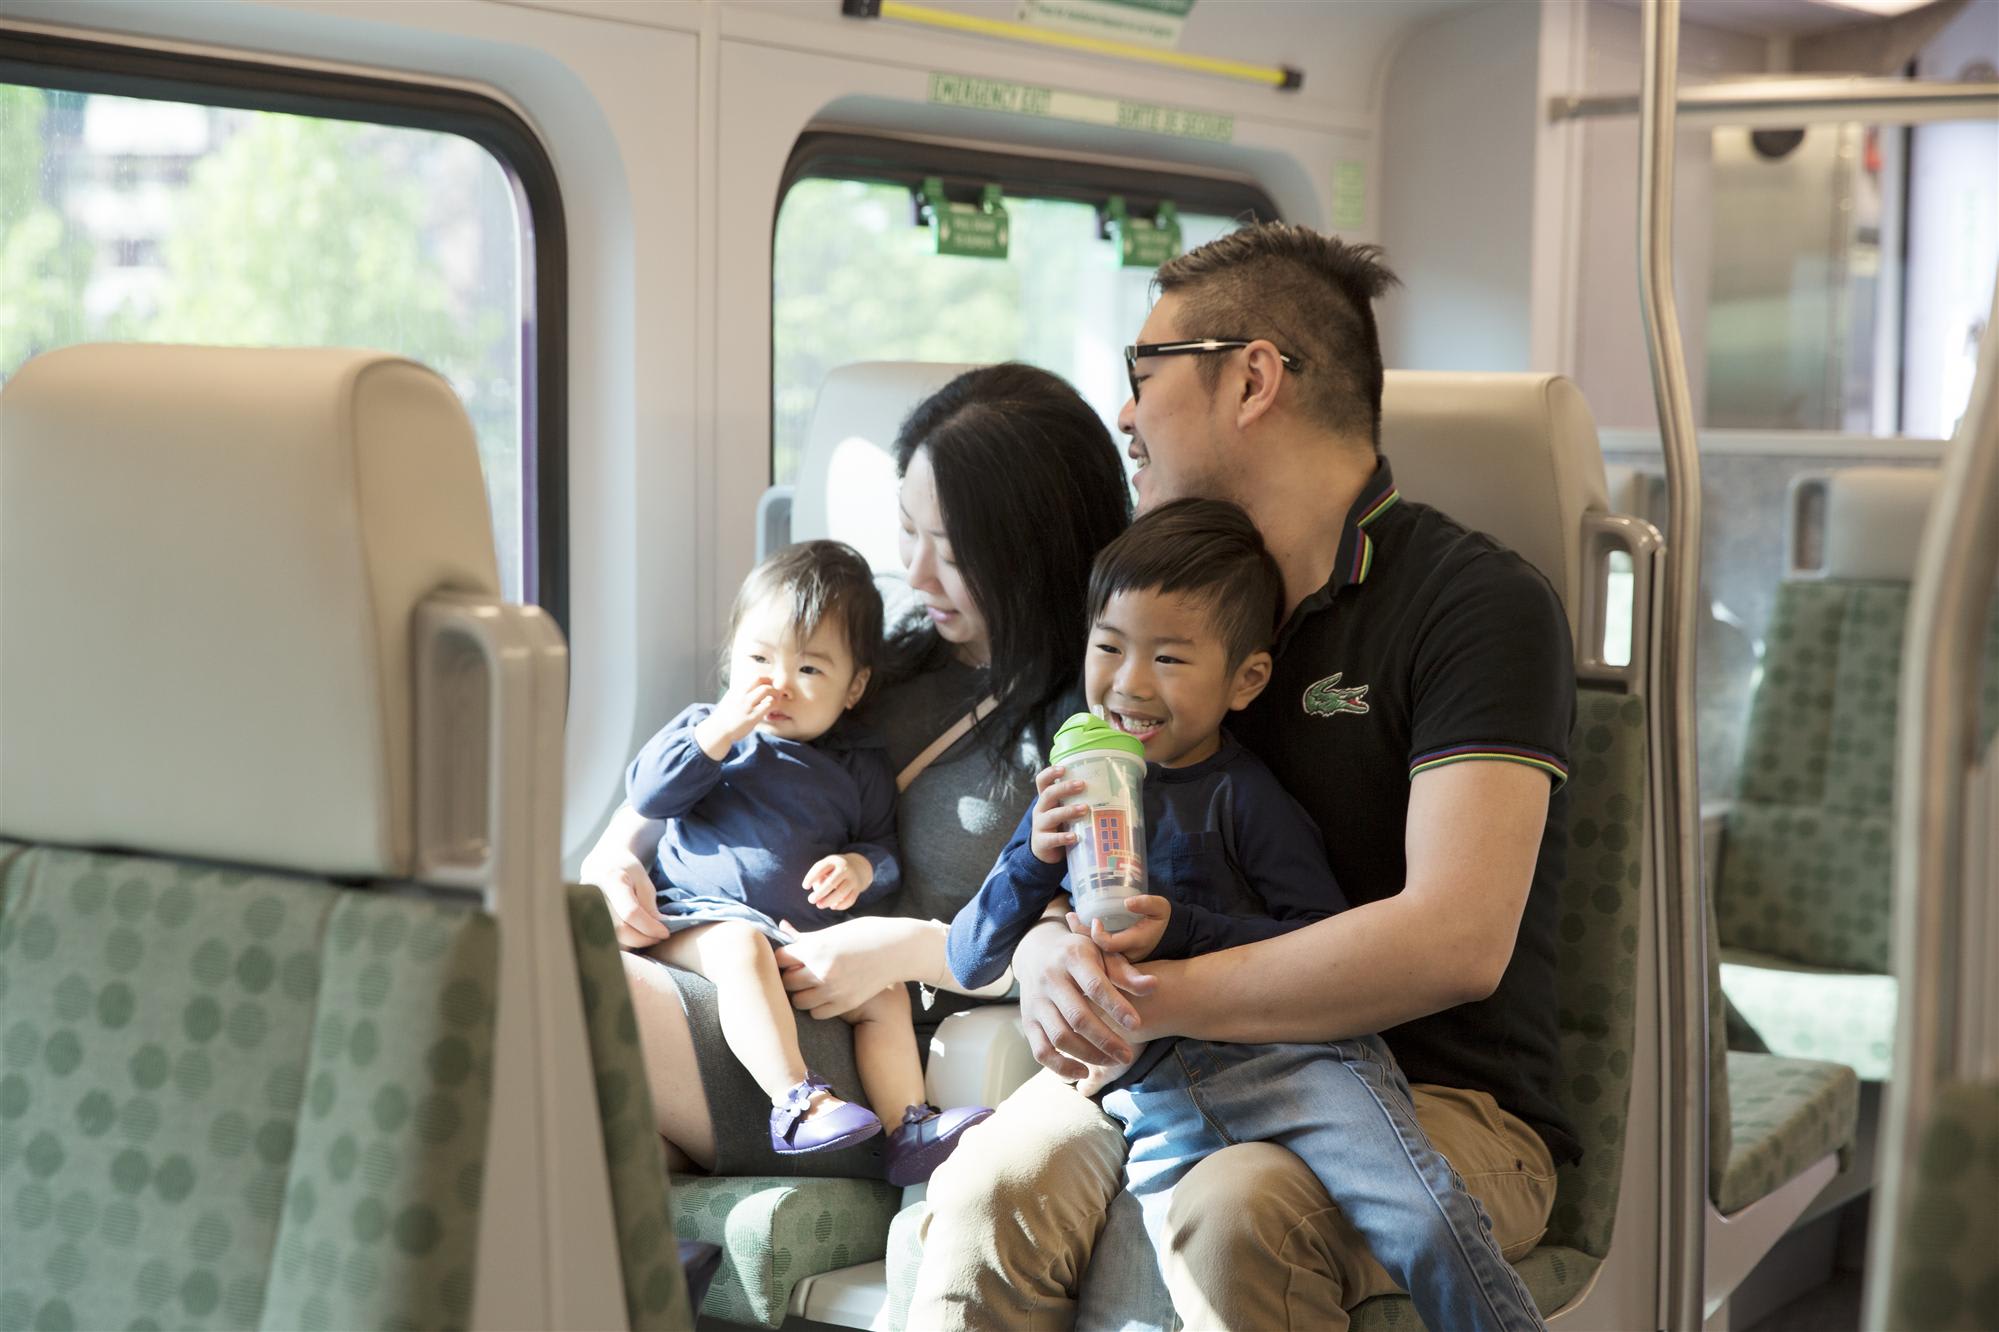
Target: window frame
pixel 887 160
pixel 69 64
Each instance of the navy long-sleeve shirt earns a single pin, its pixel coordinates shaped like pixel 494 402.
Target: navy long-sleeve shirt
pixel 1239 859
pixel 742 832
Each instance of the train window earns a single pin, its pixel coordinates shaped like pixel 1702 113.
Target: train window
pixel 856 277
pixel 190 218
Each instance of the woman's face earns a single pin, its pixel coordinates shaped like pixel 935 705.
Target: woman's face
pixel 926 553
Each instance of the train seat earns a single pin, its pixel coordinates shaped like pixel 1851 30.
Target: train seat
pixel 1802 856
pixel 279 769
pixel 1945 1268
pixel 1516 456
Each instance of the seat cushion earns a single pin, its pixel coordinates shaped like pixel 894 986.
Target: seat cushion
pixel 1946 1267
pixel 655 1295
pixel 1785 1115
pixel 1554 1276
pixel 232 1099
pixel 1806 1012
pixel 776 1231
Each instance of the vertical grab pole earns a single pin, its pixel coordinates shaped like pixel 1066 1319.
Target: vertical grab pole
pixel 1685 1144
pixel 1938 721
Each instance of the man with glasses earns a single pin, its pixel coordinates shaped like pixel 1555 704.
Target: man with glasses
pixel 1419 709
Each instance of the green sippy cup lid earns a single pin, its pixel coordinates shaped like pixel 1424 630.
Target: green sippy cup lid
pixel 1083 732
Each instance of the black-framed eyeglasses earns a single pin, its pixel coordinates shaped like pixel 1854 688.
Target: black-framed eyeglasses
pixel 1194 347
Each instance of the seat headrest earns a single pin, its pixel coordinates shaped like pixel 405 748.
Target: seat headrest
pixel 846 474
pixel 1512 455
pixel 209 558
pixel 1874 520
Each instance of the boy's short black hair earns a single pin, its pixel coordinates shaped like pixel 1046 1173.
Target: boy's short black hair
pixel 1205 548
pixel 813 580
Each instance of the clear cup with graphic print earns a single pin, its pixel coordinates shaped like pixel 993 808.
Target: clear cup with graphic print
pixel 1107 860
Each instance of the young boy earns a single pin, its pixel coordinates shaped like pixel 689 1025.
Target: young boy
pixel 1183 608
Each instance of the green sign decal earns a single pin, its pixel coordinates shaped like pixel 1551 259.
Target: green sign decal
pixel 970 231
pixel 1026 99
pixel 1144 243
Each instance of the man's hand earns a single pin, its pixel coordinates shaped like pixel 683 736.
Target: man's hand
pixel 837 882
pixel 1134 943
pixel 1054 822
pixel 735 717
pixel 1067 986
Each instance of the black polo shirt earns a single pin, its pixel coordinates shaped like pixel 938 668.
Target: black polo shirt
pixel 1431 644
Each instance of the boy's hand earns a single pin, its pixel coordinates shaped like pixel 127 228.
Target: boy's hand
pixel 1053 821
pixel 1134 943
pixel 837 882
pixel 735 717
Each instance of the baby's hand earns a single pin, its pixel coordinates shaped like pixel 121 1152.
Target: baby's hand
pixel 837 882
pixel 1052 836
pixel 1134 943
pixel 735 717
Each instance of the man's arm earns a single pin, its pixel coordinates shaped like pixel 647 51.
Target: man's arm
pixel 1473 837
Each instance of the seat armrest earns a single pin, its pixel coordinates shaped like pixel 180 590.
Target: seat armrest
pixel 978 1056
pixel 1714 828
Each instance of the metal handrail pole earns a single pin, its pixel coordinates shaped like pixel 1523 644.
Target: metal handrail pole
pixel 1760 102
pixel 1939 727
pixel 1685 1136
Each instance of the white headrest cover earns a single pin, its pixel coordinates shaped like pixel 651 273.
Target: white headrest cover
pixel 1512 455
pixel 209 558
pixel 1874 520
pixel 846 475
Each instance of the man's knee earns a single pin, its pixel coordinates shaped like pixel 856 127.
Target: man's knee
pixel 1046 1151
pixel 1250 1199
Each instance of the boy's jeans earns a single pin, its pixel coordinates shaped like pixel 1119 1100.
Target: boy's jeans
pixel 1345 1110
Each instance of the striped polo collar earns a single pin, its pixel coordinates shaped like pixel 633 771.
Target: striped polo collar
pixel 1357 552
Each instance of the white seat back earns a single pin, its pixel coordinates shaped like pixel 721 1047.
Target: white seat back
pixel 209 560
pixel 846 474
pixel 1864 524
pixel 1512 455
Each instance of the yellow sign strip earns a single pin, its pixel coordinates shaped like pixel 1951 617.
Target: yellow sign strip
pixel 1268 75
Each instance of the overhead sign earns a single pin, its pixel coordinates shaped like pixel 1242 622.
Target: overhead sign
pixel 1144 242
pixel 1349 196
pixel 969 231
pixel 1145 22
pixel 1027 99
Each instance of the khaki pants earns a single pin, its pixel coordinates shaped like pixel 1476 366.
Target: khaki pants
pixel 1256 1244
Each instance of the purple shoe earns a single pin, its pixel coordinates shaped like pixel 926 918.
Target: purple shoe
pixel 927 1135
pixel 842 1126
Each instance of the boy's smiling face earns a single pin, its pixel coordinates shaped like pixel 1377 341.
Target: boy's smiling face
pixel 1158 669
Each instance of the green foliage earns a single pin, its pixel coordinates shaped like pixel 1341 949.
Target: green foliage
pixel 298 233
pixel 43 268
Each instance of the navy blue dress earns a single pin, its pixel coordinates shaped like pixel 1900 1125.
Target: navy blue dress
pixel 742 832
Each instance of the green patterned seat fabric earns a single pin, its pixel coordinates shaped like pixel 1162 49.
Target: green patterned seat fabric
pixel 1805 868
pixel 1554 1275
pixel 1805 1012
pixel 1598 996
pixel 655 1290
pixel 1945 1272
pixel 775 1231
pixel 1786 1114
pixel 236 1100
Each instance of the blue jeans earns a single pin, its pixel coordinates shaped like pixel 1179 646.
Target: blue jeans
pixel 1345 1110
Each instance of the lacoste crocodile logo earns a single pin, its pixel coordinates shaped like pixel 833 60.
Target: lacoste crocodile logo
pixel 1327 699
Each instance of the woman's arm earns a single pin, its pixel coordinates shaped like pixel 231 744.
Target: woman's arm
pixel 616 867
pixel 833 971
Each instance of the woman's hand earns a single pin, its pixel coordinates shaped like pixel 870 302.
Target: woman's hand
pixel 835 970
pixel 614 869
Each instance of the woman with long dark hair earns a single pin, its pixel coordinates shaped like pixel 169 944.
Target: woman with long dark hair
pixel 1009 485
